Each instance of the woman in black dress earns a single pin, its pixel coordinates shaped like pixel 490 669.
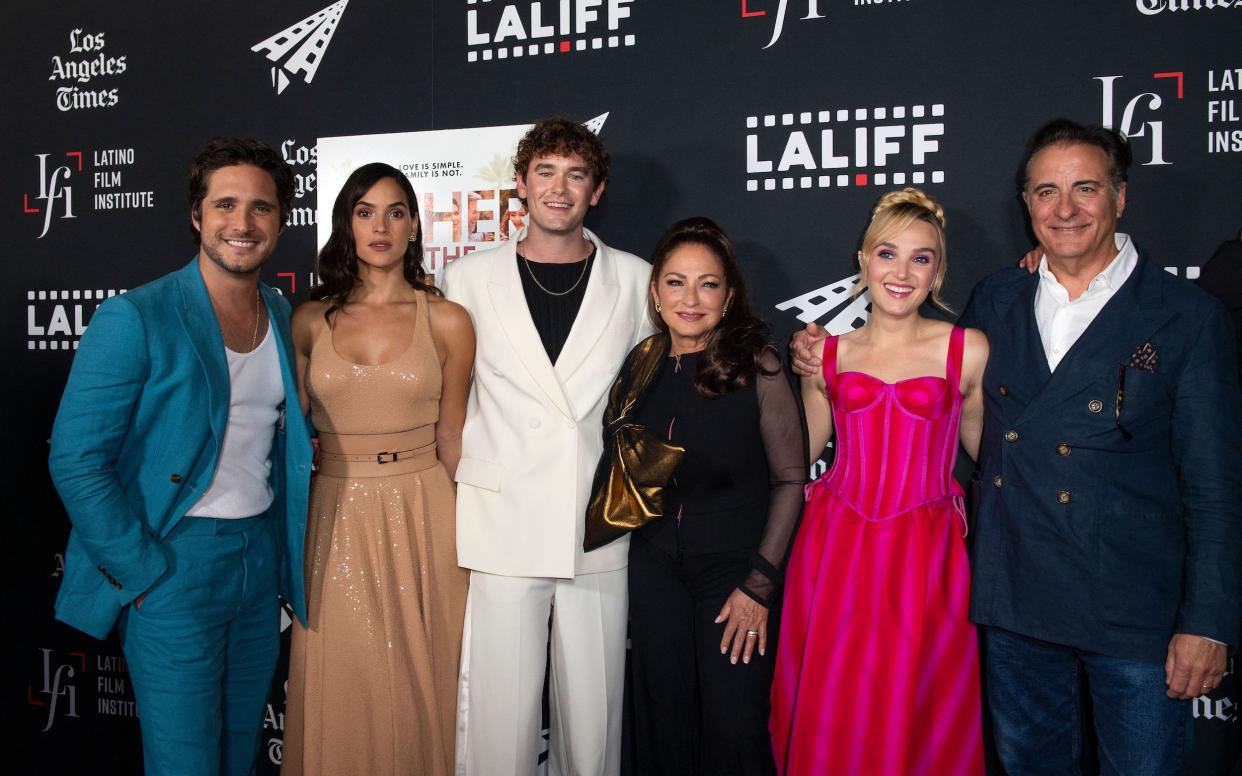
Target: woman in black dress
pixel 705 576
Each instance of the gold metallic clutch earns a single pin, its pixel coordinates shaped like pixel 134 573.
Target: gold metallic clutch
pixel 636 465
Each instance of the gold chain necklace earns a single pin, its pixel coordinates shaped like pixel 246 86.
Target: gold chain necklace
pixel 586 264
pixel 254 338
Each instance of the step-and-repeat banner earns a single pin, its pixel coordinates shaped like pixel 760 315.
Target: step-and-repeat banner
pixel 783 120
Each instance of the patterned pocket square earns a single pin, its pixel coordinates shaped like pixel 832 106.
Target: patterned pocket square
pixel 1145 358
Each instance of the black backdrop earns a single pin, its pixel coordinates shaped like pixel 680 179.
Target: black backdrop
pixel 719 107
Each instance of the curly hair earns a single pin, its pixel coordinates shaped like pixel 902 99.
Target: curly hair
pixel 734 351
pixel 563 137
pixel 893 214
pixel 228 151
pixel 337 264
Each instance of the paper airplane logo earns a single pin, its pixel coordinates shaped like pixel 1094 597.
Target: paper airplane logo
pixel 596 125
pixel 310 37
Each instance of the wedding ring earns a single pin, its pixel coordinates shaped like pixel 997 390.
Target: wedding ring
pixel 756 633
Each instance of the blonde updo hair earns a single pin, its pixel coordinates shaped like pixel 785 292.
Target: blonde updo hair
pixel 893 214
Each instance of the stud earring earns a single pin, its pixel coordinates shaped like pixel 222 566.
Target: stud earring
pixel 657 305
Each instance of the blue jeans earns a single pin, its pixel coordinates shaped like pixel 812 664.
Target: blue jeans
pixel 1033 691
pixel 203 647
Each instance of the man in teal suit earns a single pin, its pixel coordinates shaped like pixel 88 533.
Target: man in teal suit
pixel 183 459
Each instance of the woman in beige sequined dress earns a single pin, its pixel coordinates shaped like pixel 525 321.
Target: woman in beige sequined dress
pixel 384 365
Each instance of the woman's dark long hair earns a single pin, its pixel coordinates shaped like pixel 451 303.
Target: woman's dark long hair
pixel 338 261
pixel 735 348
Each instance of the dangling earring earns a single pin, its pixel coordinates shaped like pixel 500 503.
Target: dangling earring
pixel 725 311
pixel 414 237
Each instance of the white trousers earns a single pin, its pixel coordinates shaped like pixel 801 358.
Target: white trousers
pixel 504 653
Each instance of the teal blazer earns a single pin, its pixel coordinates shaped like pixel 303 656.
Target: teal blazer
pixel 138 435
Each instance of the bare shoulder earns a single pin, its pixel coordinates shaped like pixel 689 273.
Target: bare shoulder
pixel 449 320
pixel 447 314
pixel 975 344
pixel 974 354
pixel 308 318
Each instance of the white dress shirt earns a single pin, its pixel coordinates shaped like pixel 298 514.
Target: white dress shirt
pixel 1062 321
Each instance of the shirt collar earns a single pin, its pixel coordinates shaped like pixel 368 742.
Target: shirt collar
pixel 1112 276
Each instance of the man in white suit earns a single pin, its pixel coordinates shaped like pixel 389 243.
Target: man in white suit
pixel 555 312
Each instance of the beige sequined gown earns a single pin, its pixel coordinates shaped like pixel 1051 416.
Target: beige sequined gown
pixel 373 679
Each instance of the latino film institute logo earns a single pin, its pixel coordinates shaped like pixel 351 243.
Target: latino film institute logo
pixel 1136 117
pixel 54 192
pixel 779 10
pixel 53 199
pixel 507 29
pixel 845 147
pixel 300 48
pixel 57 694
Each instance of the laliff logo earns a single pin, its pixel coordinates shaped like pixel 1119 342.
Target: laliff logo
pixel 56 320
pixel 845 147
pixel 758 9
pixel 848 310
pixel 1129 123
pixel 53 189
pixel 58 692
pixel 504 29
pixel 1153 7
pixel 310 36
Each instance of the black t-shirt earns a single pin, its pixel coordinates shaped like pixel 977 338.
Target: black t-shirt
pixel 551 308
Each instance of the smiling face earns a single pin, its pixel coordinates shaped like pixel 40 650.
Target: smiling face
pixel 238 219
pixel 692 293
pixel 558 190
pixel 1073 207
pixel 382 224
pixel 901 271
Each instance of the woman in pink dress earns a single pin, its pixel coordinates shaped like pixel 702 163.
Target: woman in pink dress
pixel 877 669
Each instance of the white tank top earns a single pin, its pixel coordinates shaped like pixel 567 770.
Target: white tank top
pixel 240 487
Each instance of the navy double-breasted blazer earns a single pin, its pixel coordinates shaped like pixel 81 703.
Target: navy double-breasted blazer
pixel 1109 522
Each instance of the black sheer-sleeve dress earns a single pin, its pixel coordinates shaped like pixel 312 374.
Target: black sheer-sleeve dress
pixel 729 519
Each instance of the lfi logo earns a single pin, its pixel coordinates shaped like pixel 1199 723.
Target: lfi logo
pixel 778 26
pixel 58 692
pixel 1128 123
pixel 53 189
pixel 310 36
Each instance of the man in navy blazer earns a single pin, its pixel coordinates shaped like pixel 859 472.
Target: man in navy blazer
pixel 183 461
pixel 1107 535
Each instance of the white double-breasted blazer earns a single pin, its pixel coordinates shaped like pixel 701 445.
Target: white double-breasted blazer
pixel 533 433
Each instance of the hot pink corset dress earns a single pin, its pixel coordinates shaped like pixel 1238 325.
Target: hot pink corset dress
pixel 877 669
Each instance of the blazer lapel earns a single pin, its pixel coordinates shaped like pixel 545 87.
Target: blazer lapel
pixel 202 330
pixel 509 303
pixel 284 345
pixel 1121 327
pixel 598 302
